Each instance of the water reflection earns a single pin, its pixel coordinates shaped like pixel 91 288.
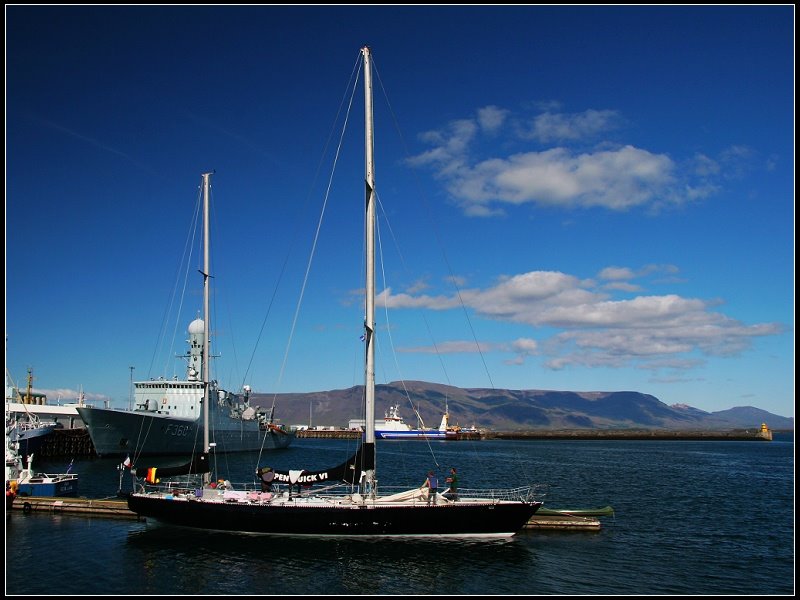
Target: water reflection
pixel 246 563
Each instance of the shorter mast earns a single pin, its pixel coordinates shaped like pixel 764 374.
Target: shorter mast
pixel 206 312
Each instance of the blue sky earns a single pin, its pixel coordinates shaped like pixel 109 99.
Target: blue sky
pixel 579 198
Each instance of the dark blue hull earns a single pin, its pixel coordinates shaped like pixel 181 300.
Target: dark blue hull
pixel 457 519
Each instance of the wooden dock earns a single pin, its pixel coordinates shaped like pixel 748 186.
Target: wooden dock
pixel 118 509
pixel 108 507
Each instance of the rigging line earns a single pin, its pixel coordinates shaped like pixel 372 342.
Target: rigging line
pixel 198 222
pixel 216 375
pixel 394 354
pixel 316 236
pixel 406 268
pixel 215 291
pixel 31 417
pixel 350 89
pixel 139 438
pixel 424 318
pixel 225 455
pixel 187 250
pixel 435 230
pixel 354 73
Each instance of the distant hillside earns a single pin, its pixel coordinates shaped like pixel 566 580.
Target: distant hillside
pixel 513 410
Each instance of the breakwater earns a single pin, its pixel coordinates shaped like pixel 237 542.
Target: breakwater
pixel 341 434
pixel 577 434
pixel 78 443
pixel 661 435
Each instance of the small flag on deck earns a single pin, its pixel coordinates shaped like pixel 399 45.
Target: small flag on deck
pixel 151 475
pixel 127 462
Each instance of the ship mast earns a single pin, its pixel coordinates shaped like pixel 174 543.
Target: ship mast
pixel 206 312
pixel 369 319
pixel 28 396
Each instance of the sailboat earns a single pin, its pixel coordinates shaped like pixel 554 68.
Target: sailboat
pixel 346 501
pixel 171 416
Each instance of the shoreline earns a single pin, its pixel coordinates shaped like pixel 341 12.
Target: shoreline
pixel 647 434
pixel 583 434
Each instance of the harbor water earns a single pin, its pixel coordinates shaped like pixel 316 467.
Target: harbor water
pixel 691 518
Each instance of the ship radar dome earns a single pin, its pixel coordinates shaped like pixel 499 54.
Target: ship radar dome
pixel 197 326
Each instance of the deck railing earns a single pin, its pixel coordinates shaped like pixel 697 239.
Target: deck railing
pixel 188 484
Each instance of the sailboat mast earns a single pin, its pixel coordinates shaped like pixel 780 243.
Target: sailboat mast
pixel 369 224
pixel 206 312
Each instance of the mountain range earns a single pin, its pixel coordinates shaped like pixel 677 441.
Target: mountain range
pixel 511 410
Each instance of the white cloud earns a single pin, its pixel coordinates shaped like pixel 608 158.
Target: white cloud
pixel 451 347
pixel 491 118
pixel 525 346
pixel 653 332
pixel 559 127
pixel 570 175
pixel 64 395
pixel 622 287
pixel 615 179
pixel 616 273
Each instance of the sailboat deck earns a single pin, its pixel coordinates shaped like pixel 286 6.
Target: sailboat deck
pixel 341 496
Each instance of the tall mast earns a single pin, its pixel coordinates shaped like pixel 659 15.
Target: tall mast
pixel 206 312
pixel 369 224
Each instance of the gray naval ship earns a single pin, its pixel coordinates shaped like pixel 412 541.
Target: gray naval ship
pixel 167 418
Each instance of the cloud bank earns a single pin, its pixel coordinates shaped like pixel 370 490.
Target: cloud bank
pixel 593 328
pixel 582 170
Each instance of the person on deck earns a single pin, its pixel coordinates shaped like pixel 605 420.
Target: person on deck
pixel 432 483
pixel 452 491
pixel 266 475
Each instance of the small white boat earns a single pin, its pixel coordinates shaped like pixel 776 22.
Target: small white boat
pixel 22 480
pixel 394 428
